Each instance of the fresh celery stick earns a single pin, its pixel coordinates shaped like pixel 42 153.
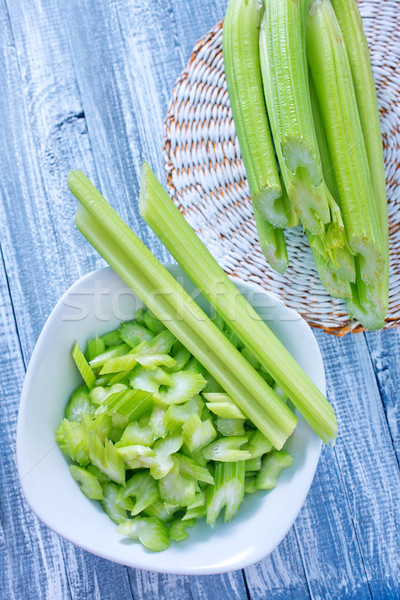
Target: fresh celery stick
pixel 95 347
pixel 144 489
pixel 227 449
pixel 197 433
pixel 228 491
pixel 284 74
pixel 88 482
pixel 137 266
pixel 150 531
pixel 172 229
pixel 272 465
pixel 106 458
pixel 177 529
pixel 349 19
pixel 330 68
pixel 332 282
pixel 223 406
pixel 272 243
pixel 243 77
pixel 110 504
pixel 83 366
pixel 79 402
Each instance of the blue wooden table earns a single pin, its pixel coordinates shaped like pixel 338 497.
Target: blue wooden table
pixel 85 84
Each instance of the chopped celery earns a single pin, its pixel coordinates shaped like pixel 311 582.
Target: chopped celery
pixel 79 402
pixel 181 357
pixel 98 394
pixel 150 531
pixel 106 458
pixel 177 414
pixel 179 238
pixel 272 465
pixel 101 477
pixel 137 433
pixel 88 482
pixel 152 361
pixel 73 440
pixel 176 488
pixel 228 491
pixel 112 338
pixel 162 461
pixel 118 350
pixel 188 466
pixel 177 529
pixel 185 386
pixel 223 406
pixel 83 366
pixel 157 421
pixel 126 406
pixel 95 347
pixel 197 433
pixel 227 449
pixel 135 455
pixel 132 333
pixel 150 380
pixel 257 444
pixel 162 510
pixel 152 322
pixel 253 464
pixel 230 427
pixel 250 485
pixel 110 504
pixel 144 489
pixel 120 363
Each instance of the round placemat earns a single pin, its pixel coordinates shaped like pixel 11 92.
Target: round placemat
pixel 207 180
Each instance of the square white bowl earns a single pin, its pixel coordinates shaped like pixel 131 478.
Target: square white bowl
pixel 95 304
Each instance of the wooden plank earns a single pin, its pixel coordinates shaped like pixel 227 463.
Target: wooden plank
pixel 43 255
pixel 385 354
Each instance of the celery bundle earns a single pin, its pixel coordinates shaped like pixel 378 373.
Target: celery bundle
pixel 303 71
pixel 156 440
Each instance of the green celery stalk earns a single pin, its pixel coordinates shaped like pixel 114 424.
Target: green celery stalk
pixel 327 56
pixel 227 492
pixel 350 22
pixel 150 531
pixel 108 233
pixel 176 234
pixel 83 366
pixel 243 76
pixel 284 74
pixel 272 243
pixel 271 467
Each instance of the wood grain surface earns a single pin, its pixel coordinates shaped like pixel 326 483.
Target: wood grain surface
pixel 86 85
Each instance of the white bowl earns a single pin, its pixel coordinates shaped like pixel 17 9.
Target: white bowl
pixel 94 305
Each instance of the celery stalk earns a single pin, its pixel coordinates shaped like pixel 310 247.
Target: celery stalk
pixel 228 491
pixel 327 56
pixel 284 74
pixel 243 76
pixel 172 305
pixel 272 243
pixel 172 229
pixel 349 19
pixel 83 366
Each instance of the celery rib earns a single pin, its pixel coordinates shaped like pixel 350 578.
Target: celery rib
pixel 113 239
pixel 327 56
pixel 176 234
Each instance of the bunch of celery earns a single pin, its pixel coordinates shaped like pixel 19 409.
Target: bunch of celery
pixel 304 103
pixel 156 440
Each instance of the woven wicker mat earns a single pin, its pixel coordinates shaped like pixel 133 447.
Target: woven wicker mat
pixel 207 181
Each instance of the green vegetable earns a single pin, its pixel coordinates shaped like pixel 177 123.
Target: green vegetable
pixel 94 348
pixel 150 531
pixel 197 433
pixel 272 465
pixel 171 227
pixel 228 491
pixel 227 449
pixel 110 504
pixel 143 488
pixel 106 458
pixel 79 402
pixel 83 366
pixel 88 482
pixel 177 529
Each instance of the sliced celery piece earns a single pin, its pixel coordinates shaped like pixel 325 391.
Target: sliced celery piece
pixel 243 76
pixel 157 421
pixel 135 455
pixel 150 531
pixel 177 414
pixel 230 427
pixel 137 433
pixel 140 269
pixel 88 482
pixel 120 363
pixel 144 489
pixel 152 322
pixel 111 338
pixel 197 433
pixel 253 464
pixel 117 350
pixel 101 477
pixel 330 68
pixel 181 357
pixel 228 491
pixel 171 227
pixel 106 458
pixel 188 466
pixel 73 440
pixel 185 386
pixel 332 282
pixel 162 510
pixel 272 465
pixel 223 406
pixel 349 19
pixel 133 334
pixel 250 485
pixel 95 347
pixel 79 402
pixel 83 366
pixel 99 394
pixel 163 461
pixel 160 344
pixel 126 406
pixel 257 444
pixel 110 504
pixel 177 529
pixel 227 449
pixel 150 380
pixel 152 361
pixel 176 488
